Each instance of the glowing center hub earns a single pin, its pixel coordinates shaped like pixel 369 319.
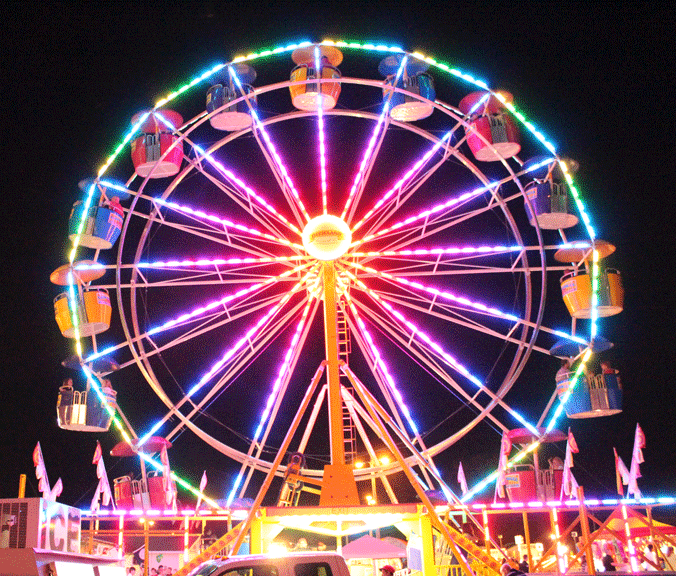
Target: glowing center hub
pixel 326 237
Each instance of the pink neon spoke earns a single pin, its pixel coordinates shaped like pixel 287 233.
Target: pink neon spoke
pixel 416 332
pixel 436 292
pixel 226 223
pixel 371 144
pixel 283 369
pixel 439 251
pixel 217 303
pixel 234 178
pixel 426 213
pixel 320 127
pixel 406 177
pixel 214 262
pixel 377 356
pixel 272 149
pixel 247 337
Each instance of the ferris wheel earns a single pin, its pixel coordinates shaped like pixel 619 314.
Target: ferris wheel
pixel 358 218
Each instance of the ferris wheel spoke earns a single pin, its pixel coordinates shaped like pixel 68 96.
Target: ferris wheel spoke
pixel 403 340
pixel 232 368
pixel 409 176
pixel 239 190
pixel 370 152
pixel 432 347
pixel 273 157
pixel 276 395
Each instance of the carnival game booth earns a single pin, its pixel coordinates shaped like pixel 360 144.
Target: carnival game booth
pixel 530 482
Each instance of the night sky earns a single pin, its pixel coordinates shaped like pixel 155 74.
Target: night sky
pixel 598 77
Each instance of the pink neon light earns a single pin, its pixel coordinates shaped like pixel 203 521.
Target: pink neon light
pixel 426 213
pixel 416 332
pixel 436 292
pixel 272 149
pixel 207 262
pixel 439 251
pixel 224 222
pixel 379 361
pixel 402 181
pixel 216 303
pixel 371 144
pixel 247 336
pixel 282 370
pixel 320 126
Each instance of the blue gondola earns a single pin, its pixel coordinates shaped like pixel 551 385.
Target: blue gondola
pixel 235 116
pixel 549 196
pixel 417 102
pixel 84 411
pixel 599 395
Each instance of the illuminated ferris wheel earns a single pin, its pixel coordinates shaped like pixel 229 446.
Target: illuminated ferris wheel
pixel 370 247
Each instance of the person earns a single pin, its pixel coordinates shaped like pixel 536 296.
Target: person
pixel 609 562
pixel 523 565
pixel 387 570
pixel 651 559
pixel 507 570
pixel 670 559
pixel 555 463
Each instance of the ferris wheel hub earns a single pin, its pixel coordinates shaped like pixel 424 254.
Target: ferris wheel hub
pixel 326 237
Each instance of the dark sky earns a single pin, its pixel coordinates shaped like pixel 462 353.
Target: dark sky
pixel 598 76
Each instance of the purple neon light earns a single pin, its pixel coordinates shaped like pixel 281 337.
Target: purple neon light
pixel 225 223
pixel 371 144
pixel 230 353
pixel 320 127
pixel 402 181
pixel 217 303
pixel 282 370
pixel 436 292
pixel 272 149
pixel 234 178
pixel 207 262
pixel 440 251
pixel 377 356
pixel 448 204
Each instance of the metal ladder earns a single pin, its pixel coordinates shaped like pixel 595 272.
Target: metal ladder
pixel 344 349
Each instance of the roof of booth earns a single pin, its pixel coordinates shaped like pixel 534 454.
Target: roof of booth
pixel 638 525
pixel 370 547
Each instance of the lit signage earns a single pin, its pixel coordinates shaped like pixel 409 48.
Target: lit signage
pixel 59 527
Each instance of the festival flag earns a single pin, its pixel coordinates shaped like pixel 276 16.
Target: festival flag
pixel 167 484
pixel 203 485
pixel 55 492
pixel 568 484
pixel 505 449
pixel 462 480
pixel 621 473
pixel 636 460
pixel 41 472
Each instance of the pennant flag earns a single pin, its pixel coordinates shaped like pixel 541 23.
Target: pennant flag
pixel 568 484
pixel 621 473
pixel 167 484
pixel 41 472
pixel 103 487
pixel 505 448
pixel 203 485
pixel 55 492
pixel 636 460
pixel 461 479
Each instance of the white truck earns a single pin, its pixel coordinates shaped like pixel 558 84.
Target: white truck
pixel 300 564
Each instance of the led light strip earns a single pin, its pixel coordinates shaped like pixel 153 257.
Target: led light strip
pixel 448 358
pixel 320 130
pixel 272 149
pixel 225 223
pixel 281 373
pixel 436 292
pixel 372 142
pixel 229 354
pixel 405 178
